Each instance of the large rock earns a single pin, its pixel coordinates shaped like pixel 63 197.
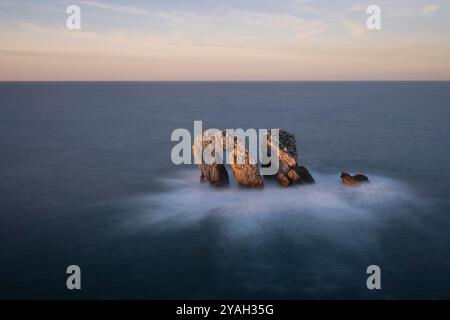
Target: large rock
pixel 289 172
pixel 243 165
pixel 247 174
pixel 355 180
pixel 216 173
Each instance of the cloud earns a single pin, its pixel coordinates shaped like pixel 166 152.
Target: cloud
pixel 114 42
pixel 429 9
pixel 123 9
pixel 269 22
pixel 61 31
pixel 227 43
pixel 287 25
pixel 133 10
pixel 312 31
pixel 407 12
pixel 356 28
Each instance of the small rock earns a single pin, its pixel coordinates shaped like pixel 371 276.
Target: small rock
pixel 355 180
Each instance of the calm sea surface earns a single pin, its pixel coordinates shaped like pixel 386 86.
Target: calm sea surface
pixel 86 179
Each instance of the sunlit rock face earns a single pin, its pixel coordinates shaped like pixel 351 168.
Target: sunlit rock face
pixel 355 180
pixel 289 173
pixel 216 174
pixel 246 174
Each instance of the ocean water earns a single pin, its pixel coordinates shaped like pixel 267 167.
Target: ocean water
pixel 86 179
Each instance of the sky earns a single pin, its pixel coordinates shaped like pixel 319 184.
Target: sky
pixel 224 40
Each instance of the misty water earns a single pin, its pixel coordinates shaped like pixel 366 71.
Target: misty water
pixel 86 178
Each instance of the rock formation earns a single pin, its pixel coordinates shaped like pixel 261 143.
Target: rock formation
pixel 355 180
pixel 244 167
pixel 247 174
pixel 216 174
pixel 289 173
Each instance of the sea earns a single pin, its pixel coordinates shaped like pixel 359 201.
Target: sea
pixel 86 179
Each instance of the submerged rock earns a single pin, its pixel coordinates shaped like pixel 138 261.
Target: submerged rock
pixel 355 180
pixel 289 173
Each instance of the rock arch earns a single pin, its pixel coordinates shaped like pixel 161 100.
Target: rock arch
pixel 247 174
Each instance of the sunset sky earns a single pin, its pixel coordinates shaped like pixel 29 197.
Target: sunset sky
pixel 225 40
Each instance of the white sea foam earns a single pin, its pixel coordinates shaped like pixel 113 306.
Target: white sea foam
pixel 327 205
pixel 305 231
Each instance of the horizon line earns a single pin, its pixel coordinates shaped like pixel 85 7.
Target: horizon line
pixel 358 80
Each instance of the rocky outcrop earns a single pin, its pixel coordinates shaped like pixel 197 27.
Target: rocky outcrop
pixel 305 176
pixel 247 174
pixel 215 173
pixel 244 167
pixel 289 173
pixel 355 180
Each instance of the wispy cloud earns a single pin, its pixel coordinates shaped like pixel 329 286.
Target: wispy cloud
pixel 123 9
pixel 297 38
pixel 132 40
pixel 255 24
pixel 408 12
pixel 134 10
pixel 356 28
pixel 429 9
pixel 286 25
